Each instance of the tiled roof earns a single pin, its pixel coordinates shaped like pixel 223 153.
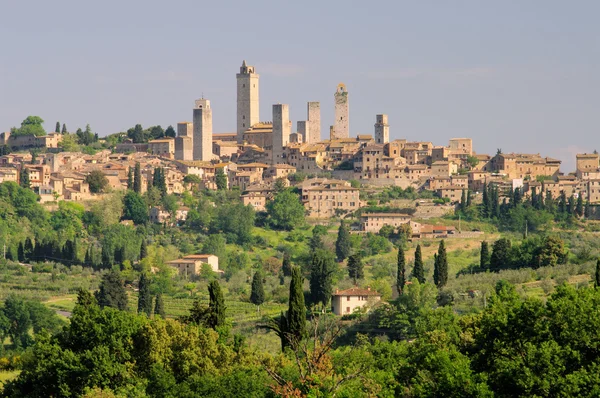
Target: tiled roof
pixel 355 291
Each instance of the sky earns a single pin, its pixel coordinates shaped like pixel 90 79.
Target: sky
pixel 522 76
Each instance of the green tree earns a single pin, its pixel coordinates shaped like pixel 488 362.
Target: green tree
pixel 130 178
pixel 64 129
pixel 440 270
pixel 57 128
pixel 597 275
pixel 257 295
pixel 296 315
pixel 97 181
pixel 552 252
pixel 220 179
pixel 579 206
pixel 143 249
pixel 285 211
pixel 419 269
pixel 501 255
pixel 216 305
pixel 112 291
pixel 343 245
pixel 159 306
pixel 24 178
pixel 137 178
pixel 32 125
pixel 316 240
pixel 134 208
pixel 286 265
pixel 484 256
pixel 355 267
pixel 322 269
pixel 144 295
pixel 401 270
pixel 170 132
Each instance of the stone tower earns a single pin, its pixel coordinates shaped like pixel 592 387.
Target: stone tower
pixel 202 130
pixel 382 130
pixel 184 142
pixel 281 131
pixel 314 122
pixel 341 122
pixel 302 129
pixel 247 100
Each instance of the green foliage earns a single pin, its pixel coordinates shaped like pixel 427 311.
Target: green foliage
pixel 440 268
pixel 24 178
pixel 322 269
pixel 484 256
pixel 286 265
pixel 144 295
pixel 216 306
pixel 257 295
pixel 401 270
pixel 220 179
pixel 137 178
pixel 295 327
pixel 134 208
pixel 97 181
pixel 112 291
pixel 285 211
pixel 419 270
pixel 355 267
pixel 343 246
pixel 159 306
pixel 32 125
pixel 500 257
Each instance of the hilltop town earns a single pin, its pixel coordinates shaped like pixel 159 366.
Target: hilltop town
pixel 327 168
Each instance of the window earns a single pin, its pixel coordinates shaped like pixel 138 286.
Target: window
pixel 347 309
pixel 347 298
pixel 243 85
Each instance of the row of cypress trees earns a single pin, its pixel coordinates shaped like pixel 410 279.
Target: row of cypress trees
pixel 440 267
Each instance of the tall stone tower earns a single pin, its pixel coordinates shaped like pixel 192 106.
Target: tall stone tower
pixel 281 131
pixel 382 129
pixel 341 122
pixel 247 100
pixel 314 122
pixel 184 142
pixel 302 129
pixel 202 130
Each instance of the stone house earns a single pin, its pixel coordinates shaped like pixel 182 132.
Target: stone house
pixel 257 200
pixel 322 197
pixel 344 302
pixel 373 222
pixel 192 265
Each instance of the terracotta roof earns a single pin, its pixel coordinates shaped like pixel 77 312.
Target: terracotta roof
pixel 355 291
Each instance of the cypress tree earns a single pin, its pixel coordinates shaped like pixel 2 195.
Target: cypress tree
pixel 534 199
pixel 137 178
pixel 401 275
pixel 440 271
pixel 107 258
pixel 159 307
pixel 24 178
pixel 57 128
pixel 257 296
pixel 355 267
pixel 321 277
pixel 144 295
pixel 419 270
pixel 343 246
pixel 469 198
pixel 112 292
pixel 579 206
pixel 64 129
pixel 587 211
pixel 21 252
pixel 28 250
pixel 485 201
pixel 130 179
pixel 286 265
pixel 88 256
pixel 484 257
pixel 295 327
pixel 143 250
pixel 463 200
pixel 216 305
pixel 597 276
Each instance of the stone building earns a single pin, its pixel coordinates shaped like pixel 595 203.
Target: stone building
pixel 247 100
pixel 341 124
pixel 184 149
pixel 322 197
pixel 192 265
pixel 313 122
pixel 164 147
pixel 281 131
pixel 382 129
pixel 203 130
pixel 344 302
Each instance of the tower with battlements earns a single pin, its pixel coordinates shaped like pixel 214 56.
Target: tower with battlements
pixel 281 131
pixel 247 100
pixel 341 124
pixel 202 139
pixel 382 129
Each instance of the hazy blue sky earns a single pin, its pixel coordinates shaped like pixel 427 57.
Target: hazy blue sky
pixel 517 75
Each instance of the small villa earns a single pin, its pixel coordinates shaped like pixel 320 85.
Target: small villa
pixel 346 301
pixel 192 264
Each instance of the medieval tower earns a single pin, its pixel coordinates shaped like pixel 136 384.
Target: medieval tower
pixel 281 131
pixel 313 126
pixel 247 100
pixel 202 139
pixel 184 149
pixel 382 130
pixel 341 122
